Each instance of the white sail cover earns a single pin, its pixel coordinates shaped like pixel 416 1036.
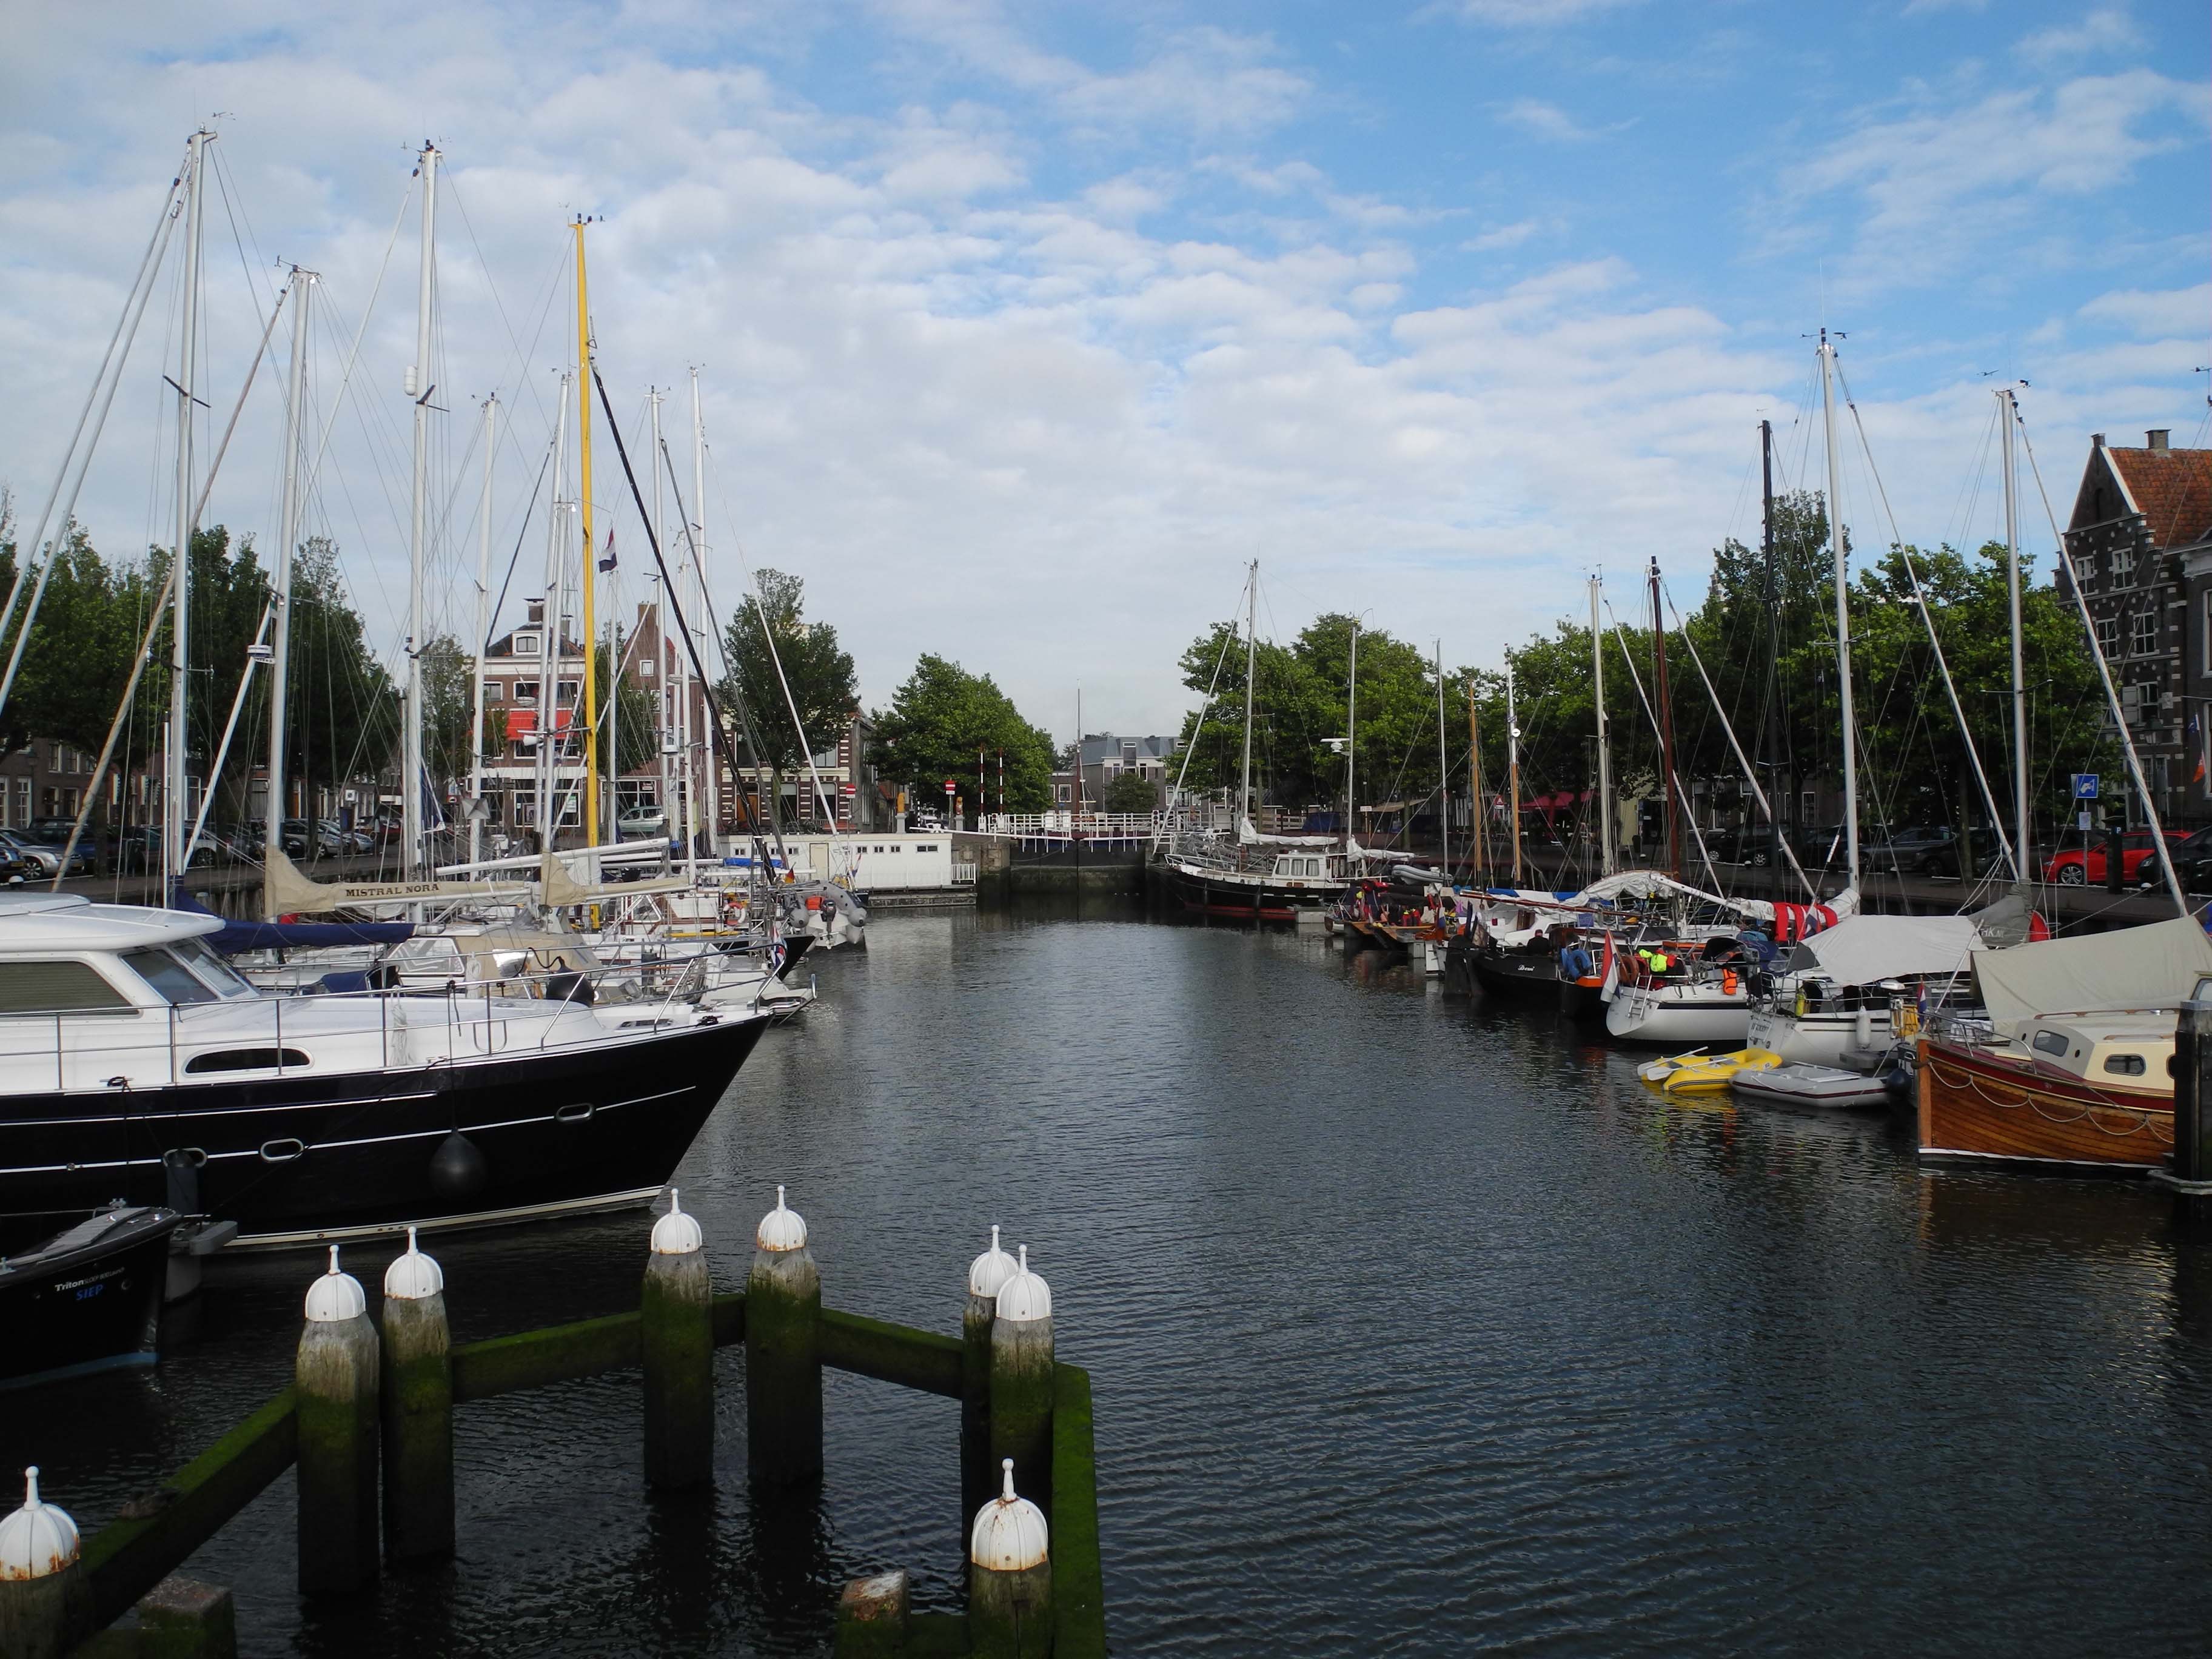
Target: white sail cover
pixel 1864 949
pixel 2152 967
pixel 1802 919
pixel 288 892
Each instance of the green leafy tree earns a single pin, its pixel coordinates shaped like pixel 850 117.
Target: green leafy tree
pixel 1132 791
pixel 942 718
pixel 634 721
pixel 820 672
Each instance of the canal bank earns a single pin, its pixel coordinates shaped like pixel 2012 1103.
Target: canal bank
pixel 1413 1323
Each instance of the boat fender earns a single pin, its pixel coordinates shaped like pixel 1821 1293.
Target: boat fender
pixel 458 1167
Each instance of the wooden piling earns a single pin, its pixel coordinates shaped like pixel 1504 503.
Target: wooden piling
pixel 184 1619
pixel 417 1393
pixel 45 1604
pixel 985 1275
pixel 783 1355
pixel 875 1617
pixel 337 1410
pixel 676 1333
pixel 1022 1381
pixel 1009 1577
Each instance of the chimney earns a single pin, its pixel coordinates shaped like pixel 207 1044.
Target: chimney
pixel 538 606
pixel 2158 438
pixel 2096 440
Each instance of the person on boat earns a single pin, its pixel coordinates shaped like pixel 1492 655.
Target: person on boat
pixel 1575 961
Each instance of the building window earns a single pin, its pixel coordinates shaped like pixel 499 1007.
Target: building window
pixel 2145 633
pixel 526 645
pixel 2123 562
pixel 525 691
pixel 2108 637
pixel 1060 793
pixel 645 668
pixel 495 691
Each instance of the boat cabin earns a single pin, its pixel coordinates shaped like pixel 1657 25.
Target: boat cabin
pixel 2109 1051
pixel 1294 869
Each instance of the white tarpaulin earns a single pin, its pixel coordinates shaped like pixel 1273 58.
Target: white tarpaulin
pixel 2153 967
pixel 1864 950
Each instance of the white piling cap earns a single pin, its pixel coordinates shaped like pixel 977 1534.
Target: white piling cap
pixel 336 1296
pixel 1009 1534
pixel 675 1233
pixel 780 1228
pixel 37 1540
pixel 991 1270
pixel 414 1275
pixel 1025 1296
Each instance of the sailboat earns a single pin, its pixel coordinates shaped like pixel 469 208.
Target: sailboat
pixel 1252 877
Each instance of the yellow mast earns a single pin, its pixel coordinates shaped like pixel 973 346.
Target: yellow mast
pixel 590 555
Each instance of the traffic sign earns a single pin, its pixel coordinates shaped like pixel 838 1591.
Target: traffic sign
pixel 2085 786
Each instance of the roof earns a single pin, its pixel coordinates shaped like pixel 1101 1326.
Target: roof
pixel 1099 747
pixel 67 921
pixel 2171 488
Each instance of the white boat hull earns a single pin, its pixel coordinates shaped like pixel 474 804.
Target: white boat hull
pixel 1820 1039
pixel 1813 1085
pixel 1679 1015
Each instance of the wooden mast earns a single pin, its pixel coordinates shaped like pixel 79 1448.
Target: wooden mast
pixel 1481 805
pixel 1667 786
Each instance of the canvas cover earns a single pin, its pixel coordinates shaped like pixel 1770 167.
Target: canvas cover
pixel 1865 950
pixel 2152 967
pixel 286 891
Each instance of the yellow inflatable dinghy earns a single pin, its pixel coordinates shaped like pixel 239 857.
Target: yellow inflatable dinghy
pixel 1710 1073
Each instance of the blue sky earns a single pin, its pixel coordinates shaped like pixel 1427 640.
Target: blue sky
pixel 1020 327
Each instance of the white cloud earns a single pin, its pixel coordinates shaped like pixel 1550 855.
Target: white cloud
pixel 1501 237
pixel 2181 312
pixel 1543 120
pixel 2104 30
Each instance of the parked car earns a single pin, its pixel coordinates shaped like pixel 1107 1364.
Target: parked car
pixel 138 850
pixel 14 868
pixel 2085 867
pixel 52 832
pixel 1912 851
pixel 642 824
pixel 43 858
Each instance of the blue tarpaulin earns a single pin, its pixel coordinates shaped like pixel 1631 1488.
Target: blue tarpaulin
pixel 233 937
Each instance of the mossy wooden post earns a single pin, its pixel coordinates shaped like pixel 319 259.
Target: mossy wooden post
pixel 985 1275
pixel 1009 1577
pixel 183 1619
pixel 677 1331
pixel 336 1395
pixel 783 1352
pixel 417 1394
pixel 1021 1380
pixel 46 1605
pixel 875 1617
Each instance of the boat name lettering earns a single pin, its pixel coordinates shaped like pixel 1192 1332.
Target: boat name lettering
pixel 76 1284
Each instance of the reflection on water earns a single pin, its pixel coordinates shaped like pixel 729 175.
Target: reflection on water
pixel 1414 1324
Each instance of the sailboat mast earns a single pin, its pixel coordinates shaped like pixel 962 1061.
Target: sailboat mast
pixel 419 388
pixel 1843 613
pixel 1773 646
pixel 287 543
pixel 2023 827
pixel 1667 785
pixel 175 854
pixel 1251 659
pixel 1479 808
pixel 1351 739
pixel 548 682
pixel 663 726
pixel 1604 740
pixel 482 638
pixel 591 698
pixel 1443 769
pixel 1513 766
pixel 696 611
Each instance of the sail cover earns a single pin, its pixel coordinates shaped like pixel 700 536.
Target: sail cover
pixel 2152 967
pixel 233 937
pixel 288 891
pixel 1862 950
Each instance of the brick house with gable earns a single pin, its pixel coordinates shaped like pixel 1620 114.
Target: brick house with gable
pixel 2141 541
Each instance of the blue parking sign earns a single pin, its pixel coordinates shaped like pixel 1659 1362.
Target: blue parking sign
pixel 2085 786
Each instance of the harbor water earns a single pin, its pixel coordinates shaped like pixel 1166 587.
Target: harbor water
pixel 1415 1325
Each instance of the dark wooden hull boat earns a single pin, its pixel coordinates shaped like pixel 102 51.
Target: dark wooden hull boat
pixel 87 1299
pixel 1977 1108
pixel 1523 976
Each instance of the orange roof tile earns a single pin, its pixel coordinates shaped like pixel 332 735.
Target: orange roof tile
pixel 2173 490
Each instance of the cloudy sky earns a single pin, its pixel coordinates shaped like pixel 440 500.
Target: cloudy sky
pixel 1021 328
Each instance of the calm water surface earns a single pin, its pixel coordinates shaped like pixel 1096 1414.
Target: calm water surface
pixel 1414 1326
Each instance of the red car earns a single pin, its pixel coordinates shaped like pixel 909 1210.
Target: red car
pixel 2077 868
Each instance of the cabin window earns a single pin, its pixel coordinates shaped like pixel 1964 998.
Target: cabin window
pixel 52 987
pixel 247 1059
pixel 2125 1065
pixel 2050 1043
pixel 171 978
pixel 202 959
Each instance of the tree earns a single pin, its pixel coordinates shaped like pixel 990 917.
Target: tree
pixel 1132 791
pixel 630 730
pixel 819 672
pixel 943 718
